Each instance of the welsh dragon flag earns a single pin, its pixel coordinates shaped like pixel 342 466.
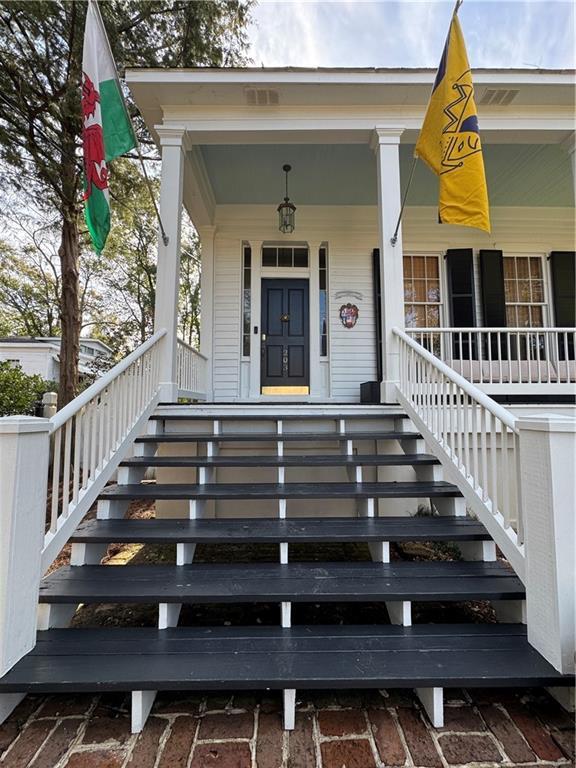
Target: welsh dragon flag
pixel 107 131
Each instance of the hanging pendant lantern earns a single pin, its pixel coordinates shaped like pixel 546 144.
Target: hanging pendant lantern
pixel 286 210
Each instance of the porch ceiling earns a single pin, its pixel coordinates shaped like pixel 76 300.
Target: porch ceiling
pixel 345 174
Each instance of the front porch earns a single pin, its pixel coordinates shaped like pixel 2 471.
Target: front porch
pixel 476 298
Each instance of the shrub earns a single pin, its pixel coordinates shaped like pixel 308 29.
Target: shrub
pixel 20 392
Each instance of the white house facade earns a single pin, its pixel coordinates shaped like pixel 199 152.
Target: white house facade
pixel 357 382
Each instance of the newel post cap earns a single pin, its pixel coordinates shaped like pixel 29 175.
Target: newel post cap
pixel 547 422
pixel 20 425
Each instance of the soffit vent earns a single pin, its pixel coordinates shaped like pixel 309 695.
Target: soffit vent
pixel 500 97
pixel 261 97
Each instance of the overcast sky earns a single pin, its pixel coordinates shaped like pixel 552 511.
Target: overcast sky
pixel 408 33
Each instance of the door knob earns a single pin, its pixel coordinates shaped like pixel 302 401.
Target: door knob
pixel 263 337
pixel 285 318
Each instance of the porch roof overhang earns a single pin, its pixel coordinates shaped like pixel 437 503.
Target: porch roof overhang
pixel 243 124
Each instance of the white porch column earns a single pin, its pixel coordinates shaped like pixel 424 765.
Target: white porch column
pixel 255 317
pixel 168 273
pixel 207 235
pixel 547 461
pixel 314 291
pixel 24 452
pixel 385 142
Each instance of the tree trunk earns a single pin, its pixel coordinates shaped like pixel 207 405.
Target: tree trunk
pixel 69 310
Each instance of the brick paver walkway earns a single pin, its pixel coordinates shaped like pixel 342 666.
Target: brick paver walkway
pixel 351 730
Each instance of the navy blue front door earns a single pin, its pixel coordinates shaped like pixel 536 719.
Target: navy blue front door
pixel 285 335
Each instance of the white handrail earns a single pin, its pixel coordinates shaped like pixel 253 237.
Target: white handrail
pixel 474 438
pixel 92 434
pixel 100 384
pixel 191 366
pixel 491 405
pixel 535 358
pixel 490 329
pixel 197 352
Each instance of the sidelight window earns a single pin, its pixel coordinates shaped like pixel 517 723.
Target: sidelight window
pixel 246 299
pixel 323 281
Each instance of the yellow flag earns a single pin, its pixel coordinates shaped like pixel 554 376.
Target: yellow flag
pixel 449 140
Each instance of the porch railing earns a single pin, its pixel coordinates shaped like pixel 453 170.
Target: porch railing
pixel 494 358
pixel 91 435
pixel 191 371
pixel 474 438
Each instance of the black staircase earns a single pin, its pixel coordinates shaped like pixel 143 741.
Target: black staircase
pixel 424 656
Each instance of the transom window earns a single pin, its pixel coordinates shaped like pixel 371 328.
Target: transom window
pixel 524 291
pixel 284 256
pixel 422 300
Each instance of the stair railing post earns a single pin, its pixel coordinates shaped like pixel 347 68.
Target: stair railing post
pixel 24 459
pixel 49 404
pixel 547 446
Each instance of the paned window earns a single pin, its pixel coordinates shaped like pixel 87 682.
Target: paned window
pixel 323 280
pixel 524 291
pixel 246 299
pixel 284 256
pixel 422 299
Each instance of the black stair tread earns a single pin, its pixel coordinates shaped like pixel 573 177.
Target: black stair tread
pixel 281 490
pixel 272 582
pixel 272 530
pixel 188 658
pixel 191 437
pixel 325 460
pixel 223 416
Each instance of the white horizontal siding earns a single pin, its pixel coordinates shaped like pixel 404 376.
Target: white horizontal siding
pixel 536 230
pixel 352 350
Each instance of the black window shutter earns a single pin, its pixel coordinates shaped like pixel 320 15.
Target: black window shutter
pixel 493 298
pixel 460 274
pixel 378 309
pixel 563 265
pixel 460 268
pixel 563 268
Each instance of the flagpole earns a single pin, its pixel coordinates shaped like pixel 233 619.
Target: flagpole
pixel 165 238
pixel 394 238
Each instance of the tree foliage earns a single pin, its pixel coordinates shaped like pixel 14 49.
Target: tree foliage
pixel 19 392
pixel 117 289
pixel 40 125
pixel 128 279
pixel 29 292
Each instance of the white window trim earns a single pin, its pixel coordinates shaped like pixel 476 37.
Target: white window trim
pixel 545 271
pixel 258 274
